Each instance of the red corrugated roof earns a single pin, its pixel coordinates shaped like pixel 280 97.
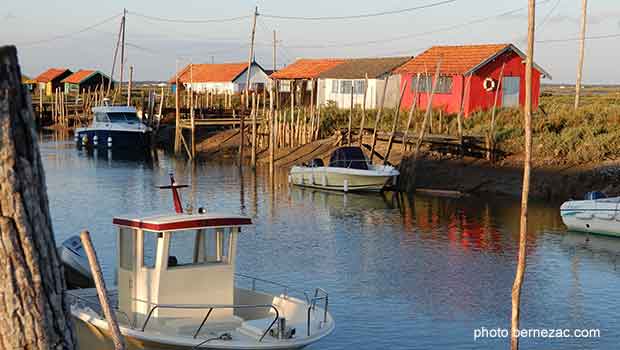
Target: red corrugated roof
pixel 455 59
pixel 78 76
pixel 306 68
pixel 217 72
pixel 50 74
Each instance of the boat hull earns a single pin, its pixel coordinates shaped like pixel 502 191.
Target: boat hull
pixel 601 216
pixel 342 179
pixel 93 337
pixel 138 140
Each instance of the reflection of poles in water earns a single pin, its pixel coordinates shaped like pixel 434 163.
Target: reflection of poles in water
pixel 576 288
pixel 241 190
pixel 192 172
pixel 254 191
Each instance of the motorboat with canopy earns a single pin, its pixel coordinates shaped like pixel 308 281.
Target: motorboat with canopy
pixel 114 127
pixel 177 288
pixel 348 170
pixel 596 213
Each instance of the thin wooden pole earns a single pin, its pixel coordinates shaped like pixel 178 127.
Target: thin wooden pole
pixel 350 114
pixel 459 116
pixel 95 268
pixel 118 41
pixel 395 123
pixel 247 81
pixel 582 50
pixel 491 134
pixel 292 86
pixel 129 86
pixel 378 119
pixel 521 262
pixel 254 112
pixel 123 50
pixel 192 155
pixel 363 110
pixel 272 131
pixel 411 112
pixel 429 109
pixel 177 111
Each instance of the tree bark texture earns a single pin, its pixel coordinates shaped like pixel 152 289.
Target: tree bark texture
pixel 33 311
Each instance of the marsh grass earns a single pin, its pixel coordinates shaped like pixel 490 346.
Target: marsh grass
pixel 561 135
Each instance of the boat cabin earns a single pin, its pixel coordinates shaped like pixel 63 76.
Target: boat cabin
pixel 349 157
pixel 115 115
pixel 177 259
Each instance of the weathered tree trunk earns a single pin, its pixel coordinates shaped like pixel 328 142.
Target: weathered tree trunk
pixel 33 311
pixel 527 125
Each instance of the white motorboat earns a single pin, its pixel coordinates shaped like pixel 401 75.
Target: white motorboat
pixel 114 127
pixel 348 170
pixel 595 214
pixel 177 288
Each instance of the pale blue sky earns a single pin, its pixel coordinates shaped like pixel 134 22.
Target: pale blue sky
pixel 162 44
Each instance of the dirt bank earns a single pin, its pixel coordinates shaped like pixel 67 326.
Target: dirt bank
pixel 468 175
pixel 550 183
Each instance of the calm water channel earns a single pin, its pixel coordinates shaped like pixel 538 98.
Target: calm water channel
pixel 402 273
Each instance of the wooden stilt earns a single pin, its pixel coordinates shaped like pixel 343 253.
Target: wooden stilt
pixel 350 114
pixel 110 316
pixel 378 119
pixel 429 108
pixel 410 118
pixel 361 141
pixel 395 123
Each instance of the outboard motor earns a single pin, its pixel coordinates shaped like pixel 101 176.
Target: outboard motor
pixel 594 195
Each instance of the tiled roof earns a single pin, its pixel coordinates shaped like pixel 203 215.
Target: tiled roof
pixel 358 68
pixel 50 74
pixel 78 76
pixel 217 72
pixel 27 80
pixel 306 68
pixel 455 59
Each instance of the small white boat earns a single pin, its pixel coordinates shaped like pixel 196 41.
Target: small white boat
pixel 348 170
pixel 77 270
pixel 595 214
pixel 114 127
pixel 177 289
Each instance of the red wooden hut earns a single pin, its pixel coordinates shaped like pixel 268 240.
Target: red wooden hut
pixel 469 76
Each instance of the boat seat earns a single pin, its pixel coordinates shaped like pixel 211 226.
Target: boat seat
pixel 255 328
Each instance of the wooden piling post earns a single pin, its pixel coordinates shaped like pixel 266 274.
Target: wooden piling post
pixel 377 120
pixel 429 109
pixel 521 263
pixel 491 133
pixel 272 133
pixel 350 114
pixel 363 110
pixel 129 82
pixel 110 316
pixel 395 123
pixel 582 51
pixel 410 117
pixel 177 111
pixel 254 112
pixel 459 116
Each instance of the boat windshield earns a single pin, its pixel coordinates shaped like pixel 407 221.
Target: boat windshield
pixel 123 117
pixel 349 157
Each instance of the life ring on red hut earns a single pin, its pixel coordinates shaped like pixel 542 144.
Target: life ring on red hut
pixel 489 84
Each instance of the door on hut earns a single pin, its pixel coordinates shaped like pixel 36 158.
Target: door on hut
pixel 510 91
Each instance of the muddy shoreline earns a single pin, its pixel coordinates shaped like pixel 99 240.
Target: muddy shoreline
pixel 467 175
